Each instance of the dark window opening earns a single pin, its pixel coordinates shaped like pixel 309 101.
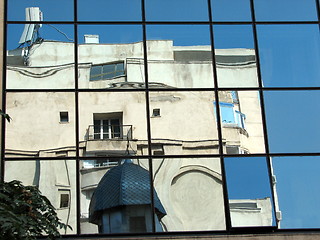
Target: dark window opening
pixel 156 112
pixel 64 117
pixel 64 200
pixel 137 224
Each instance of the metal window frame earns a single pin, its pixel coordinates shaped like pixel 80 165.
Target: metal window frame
pixel 147 91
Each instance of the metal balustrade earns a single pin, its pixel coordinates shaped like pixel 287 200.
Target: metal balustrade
pixel 105 132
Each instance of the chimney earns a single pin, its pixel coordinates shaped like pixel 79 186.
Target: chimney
pixel 88 38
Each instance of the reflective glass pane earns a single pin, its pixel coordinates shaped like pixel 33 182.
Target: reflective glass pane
pixel 285 10
pixel 179 56
pixel 231 10
pixel 298 191
pixel 190 191
pixel 113 124
pixel 178 10
pixel 112 10
pixel 183 123
pixel 115 196
pixel 235 56
pixel 55 179
pixel 241 121
pixel 249 192
pixel 40 57
pixel 111 56
pixel 37 128
pixel 290 116
pixel 59 10
pixel 287 53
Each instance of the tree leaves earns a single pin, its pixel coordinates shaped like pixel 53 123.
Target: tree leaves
pixel 25 213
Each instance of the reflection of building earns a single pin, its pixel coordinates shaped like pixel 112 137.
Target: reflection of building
pixel 112 125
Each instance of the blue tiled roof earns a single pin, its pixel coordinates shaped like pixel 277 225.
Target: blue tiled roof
pixel 126 184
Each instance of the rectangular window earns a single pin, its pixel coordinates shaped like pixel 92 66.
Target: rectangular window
pixel 64 117
pixel 107 71
pixel 64 198
pixel 156 112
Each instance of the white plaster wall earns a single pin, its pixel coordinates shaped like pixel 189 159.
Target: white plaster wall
pixel 250 105
pixel 182 74
pixel 251 218
pixel 41 77
pixel 36 123
pixel 184 116
pixel 191 192
pixel 237 76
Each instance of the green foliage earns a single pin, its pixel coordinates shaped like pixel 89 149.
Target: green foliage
pixel 25 213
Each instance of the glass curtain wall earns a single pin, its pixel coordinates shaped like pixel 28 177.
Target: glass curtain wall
pixel 148 116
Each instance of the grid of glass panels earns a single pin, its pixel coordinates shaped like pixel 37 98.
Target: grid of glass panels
pixel 165 116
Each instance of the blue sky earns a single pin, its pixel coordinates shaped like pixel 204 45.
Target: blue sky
pixel 289 55
pixel 247 178
pixel 298 190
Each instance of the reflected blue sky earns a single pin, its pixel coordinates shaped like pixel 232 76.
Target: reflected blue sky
pixel 287 53
pixel 58 10
pixel 182 35
pixel 111 10
pixel 247 178
pixel 233 36
pixel 289 56
pixel 231 10
pixel 298 190
pixel 112 33
pixel 292 118
pixel 285 10
pixel 178 10
pixel 243 182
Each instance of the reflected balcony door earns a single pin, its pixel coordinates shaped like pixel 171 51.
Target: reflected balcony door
pixel 107 129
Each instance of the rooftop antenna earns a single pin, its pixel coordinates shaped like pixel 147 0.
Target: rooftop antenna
pixel 31 31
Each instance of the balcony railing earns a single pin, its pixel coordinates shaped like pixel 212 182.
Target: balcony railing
pixel 105 132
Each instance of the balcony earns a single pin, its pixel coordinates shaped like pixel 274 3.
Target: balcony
pixel 109 132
